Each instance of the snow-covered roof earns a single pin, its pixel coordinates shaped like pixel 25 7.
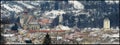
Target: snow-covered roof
pixel 115 35
pixel 79 39
pixel 95 29
pixel 56 12
pixel 7 35
pixel 63 27
pixel 33 23
pixel 59 37
pixel 105 35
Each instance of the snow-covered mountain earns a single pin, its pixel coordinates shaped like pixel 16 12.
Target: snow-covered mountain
pixel 75 13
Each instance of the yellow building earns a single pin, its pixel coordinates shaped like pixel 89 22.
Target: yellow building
pixel 106 24
pixel 33 26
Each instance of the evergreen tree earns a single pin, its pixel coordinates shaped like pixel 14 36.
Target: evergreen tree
pixel 47 39
pixel 15 27
pixel 2 40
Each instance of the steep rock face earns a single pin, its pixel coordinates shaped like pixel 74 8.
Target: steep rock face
pixel 75 13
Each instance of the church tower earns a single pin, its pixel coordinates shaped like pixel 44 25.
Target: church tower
pixel 60 19
pixel 106 24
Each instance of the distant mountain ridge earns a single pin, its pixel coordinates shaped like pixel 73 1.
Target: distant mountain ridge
pixel 87 13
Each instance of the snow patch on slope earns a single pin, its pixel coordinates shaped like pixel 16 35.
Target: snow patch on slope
pixel 18 7
pixel 7 7
pixel 54 13
pixel 35 3
pixel 112 1
pixel 77 4
pixel 27 5
pixel 13 8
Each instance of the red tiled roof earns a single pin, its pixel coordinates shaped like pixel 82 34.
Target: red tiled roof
pixel 32 31
pixel 43 21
